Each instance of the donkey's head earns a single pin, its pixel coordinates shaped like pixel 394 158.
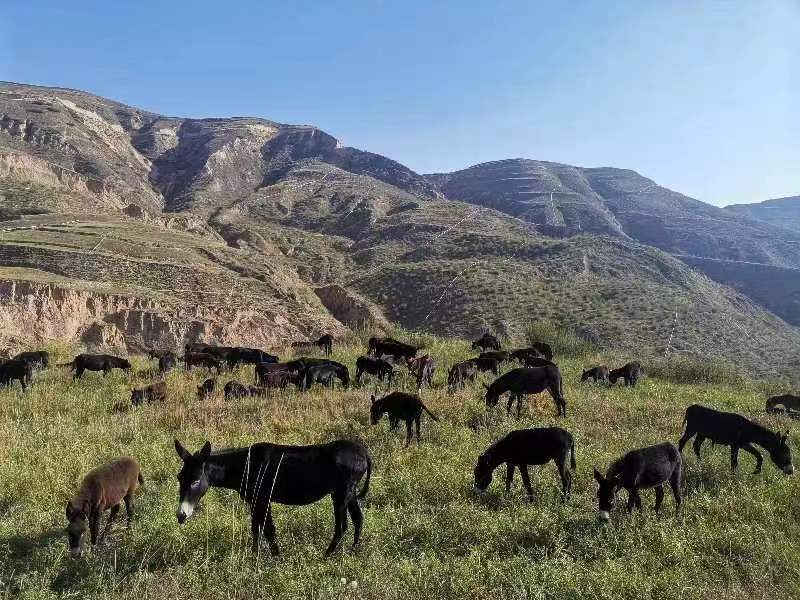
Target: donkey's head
pixel 192 479
pixel 781 454
pixel 77 524
pixel 492 396
pixel 607 489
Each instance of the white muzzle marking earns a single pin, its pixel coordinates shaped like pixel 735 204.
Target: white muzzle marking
pixel 185 510
pixel 604 515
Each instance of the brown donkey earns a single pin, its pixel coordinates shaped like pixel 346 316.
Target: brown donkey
pixel 102 489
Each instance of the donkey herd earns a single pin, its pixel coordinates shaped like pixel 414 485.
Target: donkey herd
pixel 264 473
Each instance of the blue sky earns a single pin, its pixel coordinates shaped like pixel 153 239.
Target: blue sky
pixel 703 97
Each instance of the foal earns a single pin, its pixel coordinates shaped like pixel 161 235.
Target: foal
pixel 102 489
pixel 400 406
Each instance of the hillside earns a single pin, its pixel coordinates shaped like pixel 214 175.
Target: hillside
pixel 563 200
pixel 781 212
pixel 247 230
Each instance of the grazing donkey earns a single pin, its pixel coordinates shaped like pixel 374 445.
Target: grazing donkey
pixel 787 401
pixel 527 381
pixel 206 389
pixel 485 342
pixel 459 373
pixel 500 356
pixel 377 367
pixel 326 343
pixel 525 447
pixel 380 347
pixel 234 389
pixel 104 488
pixel 400 406
pixel 422 368
pixel 201 359
pixel 38 359
pixel 97 362
pixel 599 373
pixel 156 392
pixel 166 360
pixel 266 372
pixel 265 473
pixel 730 429
pixel 19 370
pixel 325 374
pixel 630 372
pixel 487 364
pixel 649 467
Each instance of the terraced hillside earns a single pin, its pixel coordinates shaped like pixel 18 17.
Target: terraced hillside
pixel 781 212
pixel 136 229
pixel 564 200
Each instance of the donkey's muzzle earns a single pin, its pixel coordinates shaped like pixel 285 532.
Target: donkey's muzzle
pixel 181 517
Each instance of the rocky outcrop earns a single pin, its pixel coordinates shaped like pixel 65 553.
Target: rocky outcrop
pixel 350 309
pixel 37 312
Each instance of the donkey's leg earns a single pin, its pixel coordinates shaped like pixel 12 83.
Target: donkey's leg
pixel 417 421
pixel 111 516
pixel 269 533
pixel 526 481
pixel 698 441
pixel 632 493
pixel 509 476
pixel 129 508
pixel 94 525
pixel 659 497
pixel 751 449
pixel 566 477
pixel 675 484
pixel 734 457
pixel 357 516
pixel 510 403
pixel 409 434
pixel 340 502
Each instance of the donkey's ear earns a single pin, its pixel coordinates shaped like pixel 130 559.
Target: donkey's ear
pixel 182 452
pixel 598 476
pixel 372 399
pixel 205 451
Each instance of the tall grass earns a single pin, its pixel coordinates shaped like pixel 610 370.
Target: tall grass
pixel 682 368
pixel 426 535
pixel 563 340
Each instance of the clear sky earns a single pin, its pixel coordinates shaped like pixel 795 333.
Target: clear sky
pixel 703 97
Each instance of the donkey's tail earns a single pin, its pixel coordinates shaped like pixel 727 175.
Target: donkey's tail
pixel 572 462
pixel 140 478
pixel 365 489
pixel 427 410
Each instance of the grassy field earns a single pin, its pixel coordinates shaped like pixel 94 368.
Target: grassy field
pixel 426 535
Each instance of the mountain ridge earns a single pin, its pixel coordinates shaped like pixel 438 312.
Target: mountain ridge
pixel 96 191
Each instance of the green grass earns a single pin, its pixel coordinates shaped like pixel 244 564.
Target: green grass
pixel 426 535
